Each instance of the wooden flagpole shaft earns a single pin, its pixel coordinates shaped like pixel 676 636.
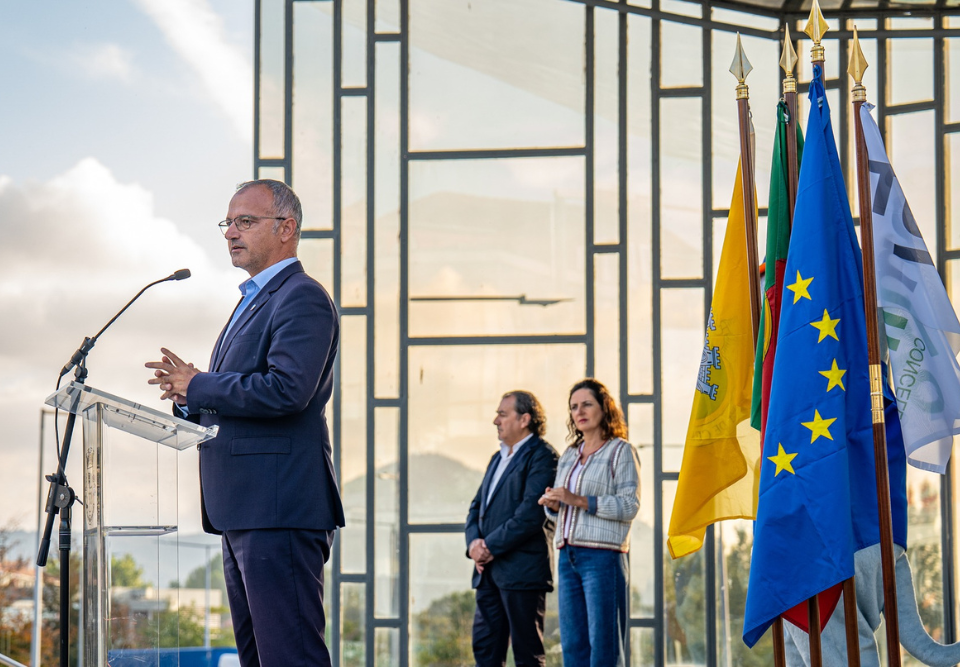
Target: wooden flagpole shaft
pixel 749 211
pixel 850 611
pixel 787 61
pixel 792 172
pixel 740 68
pixel 813 618
pixel 891 622
pixel 779 648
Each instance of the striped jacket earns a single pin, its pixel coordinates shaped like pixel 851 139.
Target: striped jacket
pixel 610 480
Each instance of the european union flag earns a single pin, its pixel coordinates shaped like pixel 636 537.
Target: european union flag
pixel 818 500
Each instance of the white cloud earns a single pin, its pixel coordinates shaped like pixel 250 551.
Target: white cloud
pixel 75 250
pixel 197 34
pixel 105 61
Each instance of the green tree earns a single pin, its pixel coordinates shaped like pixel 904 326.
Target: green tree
pixel 443 631
pixel 125 571
pixel 738 576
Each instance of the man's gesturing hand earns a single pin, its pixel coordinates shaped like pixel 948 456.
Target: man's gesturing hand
pixel 173 375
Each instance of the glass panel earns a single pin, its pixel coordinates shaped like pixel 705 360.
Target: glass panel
pixel 312 121
pixel 441 601
pixel 951 67
pixel 129 566
pixel 646 4
pixel 684 609
pixel 353 442
pixel 639 209
pixel 386 643
pixel 352 625
pixel 764 82
pixel 387 16
pixel 605 127
pixel 642 544
pixel 387 217
pixel 681 63
pixel 924 547
pixel 910 144
pixel 682 335
pixel 910 23
pixel 606 307
pixel 738 19
pixel 862 25
pixel 386 511
pixel 735 540
pixel 316 255
pixel 354 65
pixel 496 75
pixel 276 173
pixel 680 7
pixel 454 392
pixel 953 283
pixel 353 288
pixel 471 219
pixel 272 79
pixel 642 644
pixel 681 189
pixel 952 184
pixel 911 70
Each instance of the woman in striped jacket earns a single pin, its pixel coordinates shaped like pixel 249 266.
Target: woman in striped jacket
pixel 594 499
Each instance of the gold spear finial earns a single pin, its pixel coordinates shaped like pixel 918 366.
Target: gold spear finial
pixel 858 65
pixel 788 60
pixel 741 68
pixel 816 28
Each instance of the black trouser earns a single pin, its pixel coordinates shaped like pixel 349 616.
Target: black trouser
pixel 505 616
pixel 274 583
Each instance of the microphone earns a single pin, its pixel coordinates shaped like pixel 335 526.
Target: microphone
pixel 80 355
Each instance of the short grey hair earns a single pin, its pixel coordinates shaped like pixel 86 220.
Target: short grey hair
pixel 526 403
pixel 285 200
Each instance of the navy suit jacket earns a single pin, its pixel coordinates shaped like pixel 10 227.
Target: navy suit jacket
pixel 514 526
pixel 270 378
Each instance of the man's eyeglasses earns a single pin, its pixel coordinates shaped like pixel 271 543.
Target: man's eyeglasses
pixel 243 222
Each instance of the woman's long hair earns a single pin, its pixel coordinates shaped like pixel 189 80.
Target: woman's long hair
pixel 613 424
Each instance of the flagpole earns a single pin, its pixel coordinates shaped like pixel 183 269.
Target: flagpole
pixel 788 60
pixel 740 68
pixel 816 28
pixel 858 65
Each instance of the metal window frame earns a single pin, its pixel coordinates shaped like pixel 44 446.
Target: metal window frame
pixel 790 14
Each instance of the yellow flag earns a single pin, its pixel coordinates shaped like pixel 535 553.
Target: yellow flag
pixel 719 476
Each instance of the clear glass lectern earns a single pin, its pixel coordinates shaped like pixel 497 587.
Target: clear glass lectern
pixel 130 558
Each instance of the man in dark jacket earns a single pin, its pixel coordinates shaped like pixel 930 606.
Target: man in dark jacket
pixel 267 480
pixel 510 540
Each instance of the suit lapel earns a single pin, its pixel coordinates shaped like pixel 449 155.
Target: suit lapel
pixel 215 355
pixel 487 478
pixel 515 463
pixel 257 304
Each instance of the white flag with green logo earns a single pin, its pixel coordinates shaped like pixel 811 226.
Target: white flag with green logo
pixel 920 326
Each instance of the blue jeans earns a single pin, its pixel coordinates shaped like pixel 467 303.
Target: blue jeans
pixel 592 590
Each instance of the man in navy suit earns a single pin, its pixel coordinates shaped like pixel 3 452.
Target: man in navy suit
pixel 510 539
pixel 267 480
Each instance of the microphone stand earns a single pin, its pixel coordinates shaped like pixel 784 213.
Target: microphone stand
pixel 60 499
pixel 61 496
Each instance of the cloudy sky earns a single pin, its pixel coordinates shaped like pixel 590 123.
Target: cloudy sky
pixel 125 125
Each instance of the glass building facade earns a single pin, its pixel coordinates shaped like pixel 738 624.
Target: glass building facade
pixel 508 194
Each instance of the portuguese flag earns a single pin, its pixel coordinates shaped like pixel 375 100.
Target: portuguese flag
pixel 778 242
